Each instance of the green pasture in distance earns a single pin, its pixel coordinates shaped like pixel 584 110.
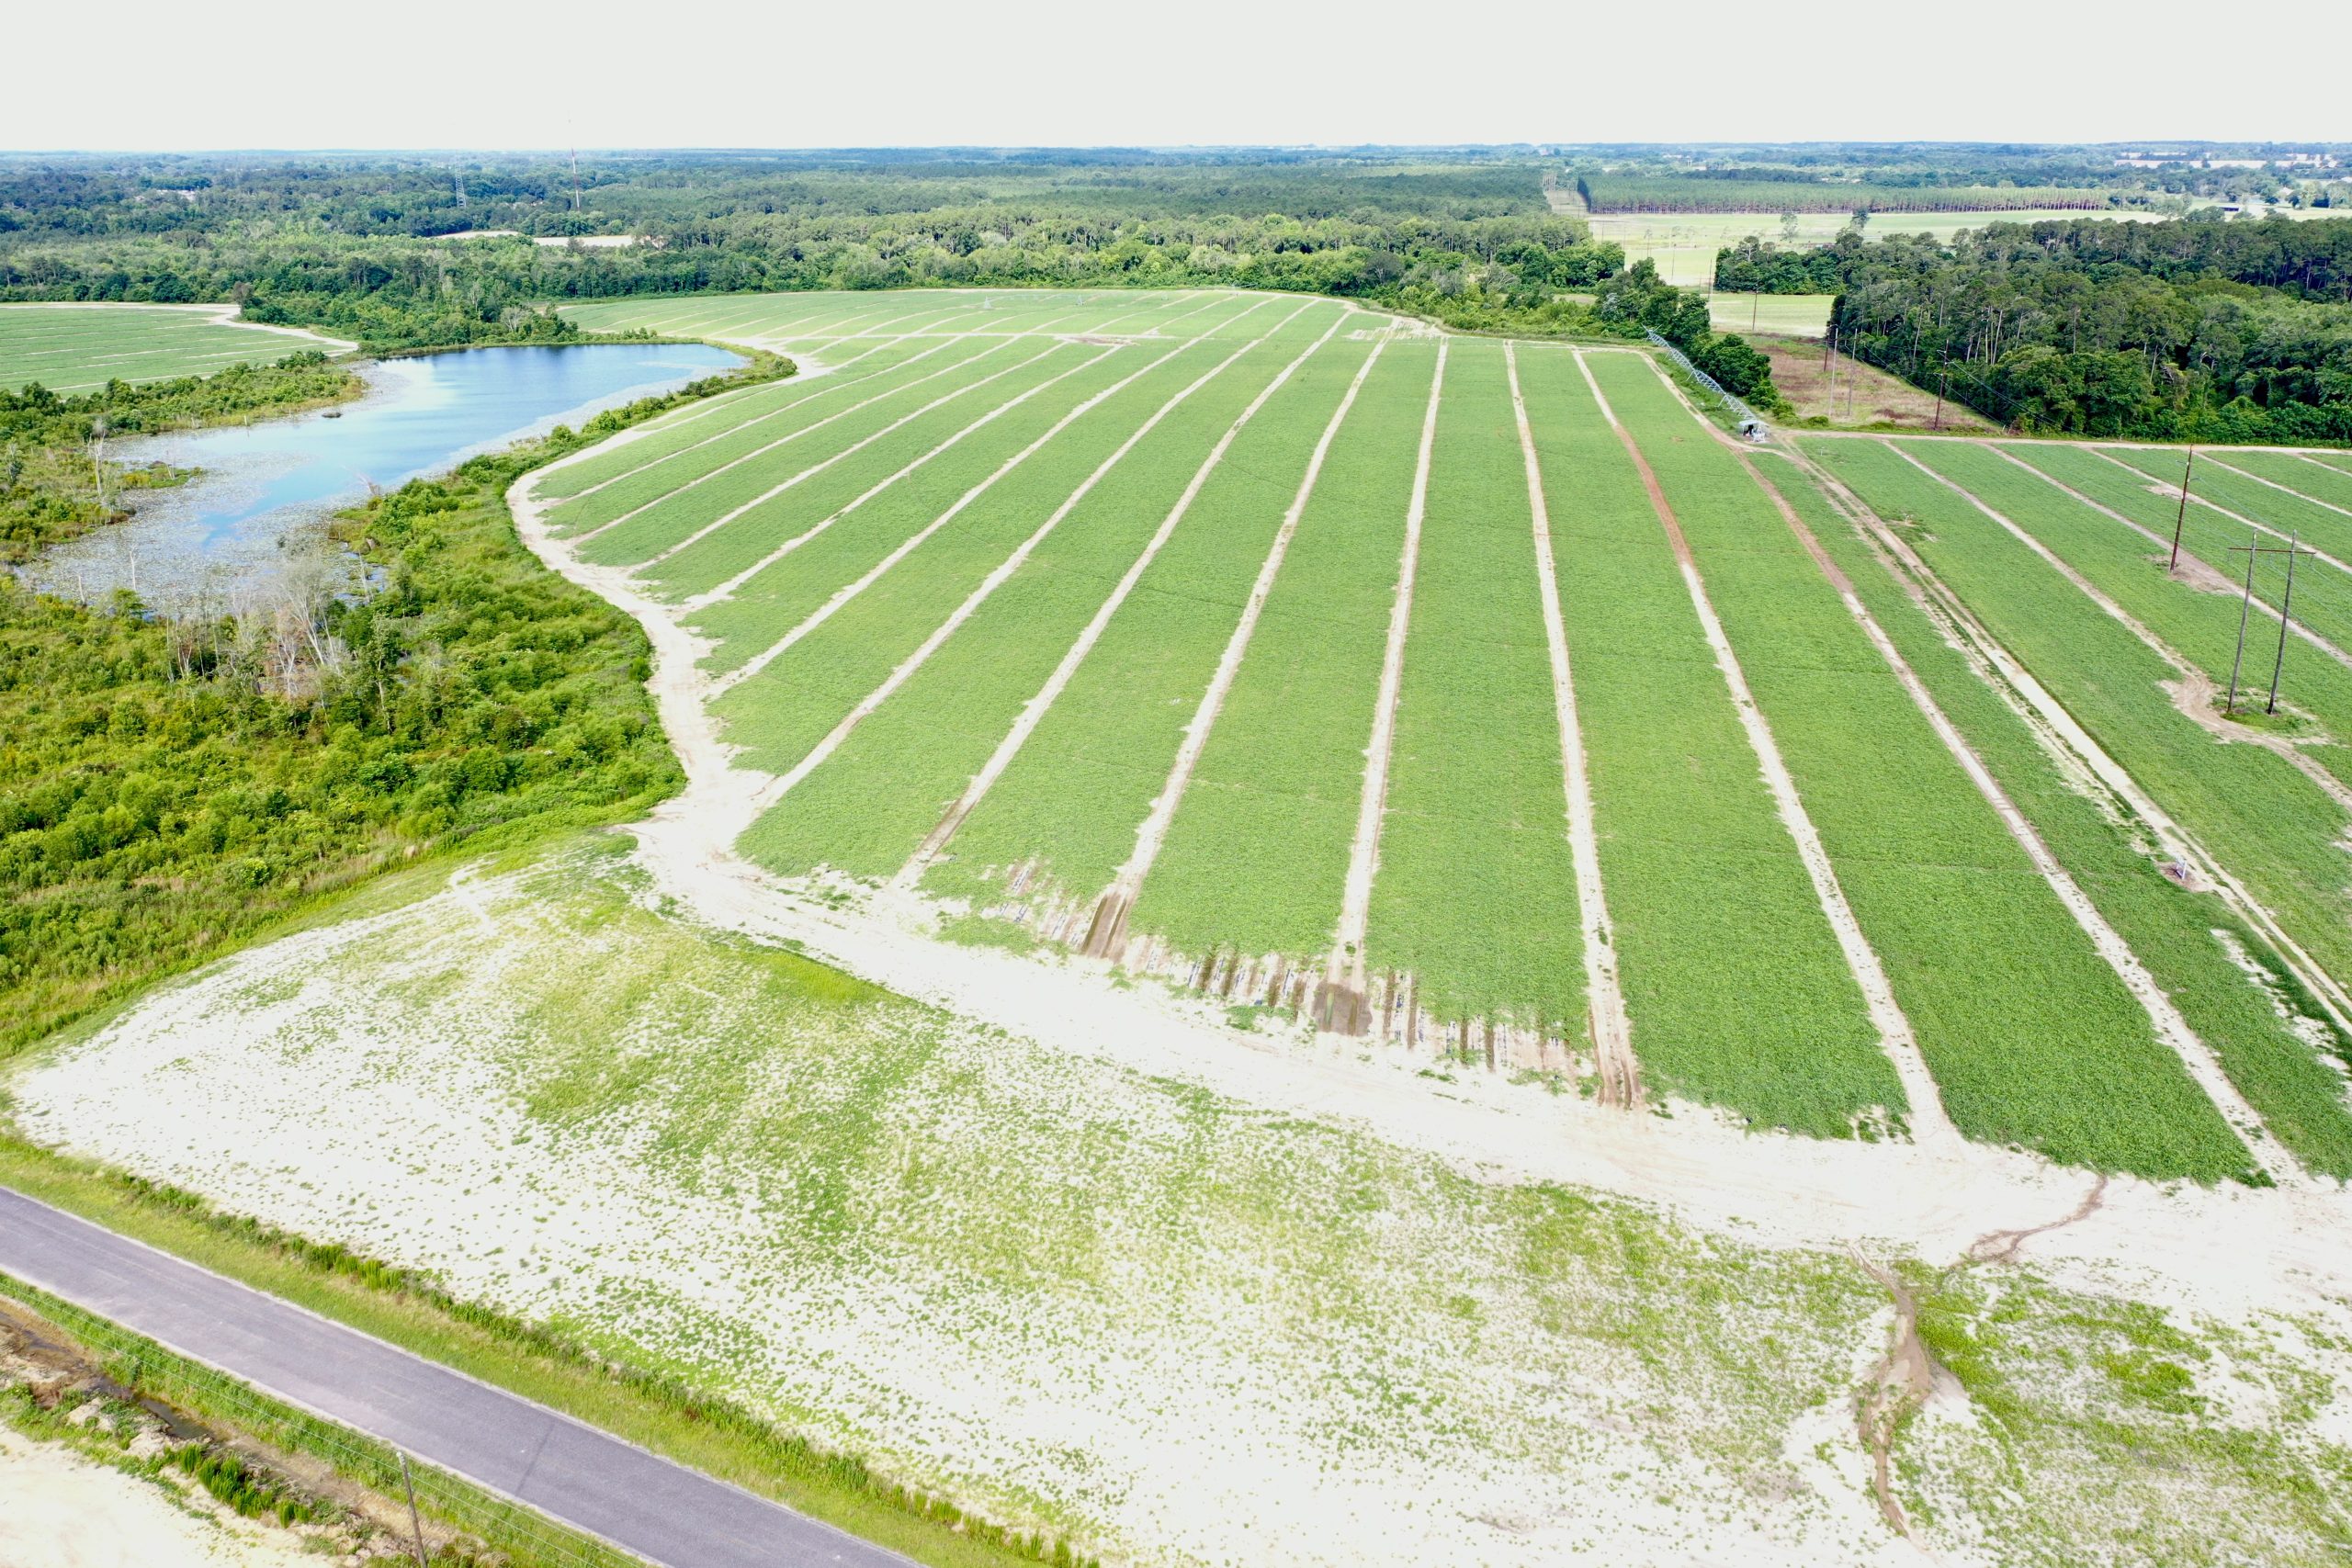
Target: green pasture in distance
pixel 80 348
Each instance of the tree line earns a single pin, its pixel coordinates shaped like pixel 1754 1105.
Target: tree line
pixel 359 246
pixel 171 783
pixel 1640 299
pixel 2165 332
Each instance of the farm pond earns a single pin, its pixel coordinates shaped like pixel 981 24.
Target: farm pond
pixel 256 515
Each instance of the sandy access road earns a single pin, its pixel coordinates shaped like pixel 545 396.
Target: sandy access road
pixel 566 1469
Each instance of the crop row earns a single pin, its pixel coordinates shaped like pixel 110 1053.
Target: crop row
pixel 2321 597
pixel 778 492
pixel 2198 624
pixel 666 456
pixel 1475 895
pixel 790 705
pixel 778 596
pixel 1072 802
pixel 1733 984
pixel 2178 934
pixel 2321 480
pixel 2032 1037
pixel 70 351
pixel 1257 856
pixel 2274 829
pixel 959 445
pixel 702 482
pixel 866 810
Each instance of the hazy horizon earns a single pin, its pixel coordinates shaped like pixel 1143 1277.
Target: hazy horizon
pixel 273 76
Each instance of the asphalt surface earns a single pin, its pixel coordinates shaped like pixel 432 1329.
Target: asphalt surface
pixel 571 1471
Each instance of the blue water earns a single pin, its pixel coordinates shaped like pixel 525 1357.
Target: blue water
pixel 267 488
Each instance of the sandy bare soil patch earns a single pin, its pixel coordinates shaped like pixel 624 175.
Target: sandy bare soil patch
pixel 1863 393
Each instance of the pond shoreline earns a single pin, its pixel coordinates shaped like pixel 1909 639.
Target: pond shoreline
pixel 268 485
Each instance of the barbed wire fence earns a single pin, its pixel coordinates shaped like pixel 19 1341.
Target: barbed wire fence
pixel 1739 411
pixel 524 1536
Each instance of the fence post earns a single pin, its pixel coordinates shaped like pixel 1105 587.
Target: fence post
pixel 415 1525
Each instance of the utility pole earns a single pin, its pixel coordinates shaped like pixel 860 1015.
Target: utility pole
pixel 415 1525
pixel 2246 604
pixel 2255 549
pixel 2180 514
pixel 2286 606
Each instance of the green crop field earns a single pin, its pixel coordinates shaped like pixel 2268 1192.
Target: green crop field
pixel 1205 631
pixel 1781 315
pixel 80 348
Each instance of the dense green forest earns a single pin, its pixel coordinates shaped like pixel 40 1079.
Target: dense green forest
pixel 168 786
pixel 2192 330
pixel 55 480
pixel 357 245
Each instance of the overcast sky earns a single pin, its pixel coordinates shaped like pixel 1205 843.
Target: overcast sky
pixel 485 73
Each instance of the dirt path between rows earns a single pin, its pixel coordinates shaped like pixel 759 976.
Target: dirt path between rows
pixel 1342 1006
pixel 1108 935
pixel 1930 1122
pixel 1611 1030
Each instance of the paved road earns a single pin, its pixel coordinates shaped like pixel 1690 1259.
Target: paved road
pixel 573 1472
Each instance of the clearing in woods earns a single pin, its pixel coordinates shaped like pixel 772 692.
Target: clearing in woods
pixel 1482 702
pixel 71 349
